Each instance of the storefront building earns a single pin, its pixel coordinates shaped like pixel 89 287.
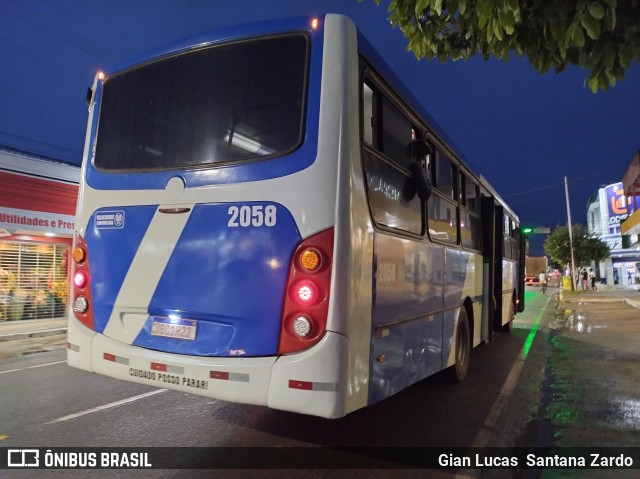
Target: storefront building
pixel 631 184
pixel 604 218
pixel 37 210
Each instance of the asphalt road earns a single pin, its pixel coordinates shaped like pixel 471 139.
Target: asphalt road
pixel 527 388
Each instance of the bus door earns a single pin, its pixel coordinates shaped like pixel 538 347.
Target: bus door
pixel 492 250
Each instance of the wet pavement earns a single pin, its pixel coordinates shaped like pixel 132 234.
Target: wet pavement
pixel 591 386
pixel 583 376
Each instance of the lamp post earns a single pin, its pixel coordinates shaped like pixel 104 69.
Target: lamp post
pixel 573 261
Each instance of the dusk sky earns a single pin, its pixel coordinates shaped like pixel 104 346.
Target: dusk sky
pixel 522 130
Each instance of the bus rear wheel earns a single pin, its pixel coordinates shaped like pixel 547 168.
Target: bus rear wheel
pixel 506 328
pixel 462 342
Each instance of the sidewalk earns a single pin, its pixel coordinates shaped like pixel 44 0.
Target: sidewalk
pixel 18 338
pixel 33 328
pixel 629 294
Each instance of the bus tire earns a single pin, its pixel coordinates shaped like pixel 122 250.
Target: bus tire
pixel 508 327
pixel 462 342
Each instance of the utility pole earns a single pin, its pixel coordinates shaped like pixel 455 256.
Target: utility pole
pixel 573 261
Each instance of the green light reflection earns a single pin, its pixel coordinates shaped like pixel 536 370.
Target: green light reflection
pixel 536 324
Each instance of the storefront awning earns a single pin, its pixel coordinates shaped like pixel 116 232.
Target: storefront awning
pixel 631 226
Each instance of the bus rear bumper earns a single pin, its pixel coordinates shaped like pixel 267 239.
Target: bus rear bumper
pixel 309 382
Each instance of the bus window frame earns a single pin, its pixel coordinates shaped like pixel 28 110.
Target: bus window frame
pixel 223 164
pixel 378 86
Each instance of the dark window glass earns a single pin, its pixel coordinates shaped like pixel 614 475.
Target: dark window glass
pixel 231 102
pixel 470 230
pixel 444 175
pixel 386 187
pixel 397 133
pixel 471 196
pixel 443 220
pixel 368 116
pixel 507 253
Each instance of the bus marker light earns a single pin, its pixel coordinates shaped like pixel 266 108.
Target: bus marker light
pixel 302 326
pixel 310 260
pixel 80 279
pixel 304 385
pixel 315 23
pixel 312 386
pixel 227 376
pixel 79 255
pixel 109 357
pixel 306 292
pixel 80 305
pixel 159 367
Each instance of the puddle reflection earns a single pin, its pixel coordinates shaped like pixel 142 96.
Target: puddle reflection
pixel 574 320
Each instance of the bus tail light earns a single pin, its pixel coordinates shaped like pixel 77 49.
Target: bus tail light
pixel 81 289
pixel 306 304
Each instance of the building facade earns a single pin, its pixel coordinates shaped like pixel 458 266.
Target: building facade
pixel 605 216
pixel 37 211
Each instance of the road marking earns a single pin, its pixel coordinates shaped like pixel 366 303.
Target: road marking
pixel 32 367
pixel 482 439
pixel 107 406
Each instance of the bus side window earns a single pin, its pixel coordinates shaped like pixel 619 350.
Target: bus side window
pixel 443 220
pixel 397 133
pixel 385 184
pixel 445 175
pixel 470 226
pixel 368 117
pixel 386 132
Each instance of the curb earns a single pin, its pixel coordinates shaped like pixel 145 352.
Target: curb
pixel 631 302
pixel 33 334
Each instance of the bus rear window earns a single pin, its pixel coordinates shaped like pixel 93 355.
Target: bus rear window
pixel 227 103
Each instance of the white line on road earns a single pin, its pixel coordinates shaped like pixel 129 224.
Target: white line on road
pixel 490 422
pixel 107 406
pixel 32 367
pixel 482 439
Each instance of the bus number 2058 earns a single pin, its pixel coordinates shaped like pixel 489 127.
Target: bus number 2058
pixel 256 215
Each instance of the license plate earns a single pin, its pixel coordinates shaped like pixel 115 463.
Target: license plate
pixel 174 328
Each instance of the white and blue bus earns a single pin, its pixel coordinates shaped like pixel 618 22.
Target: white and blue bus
pixel 242 231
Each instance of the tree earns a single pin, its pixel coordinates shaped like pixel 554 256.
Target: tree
pixel 602 36
pixel 586 247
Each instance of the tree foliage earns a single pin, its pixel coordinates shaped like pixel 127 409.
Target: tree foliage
pixel 602 36
pixel 586 247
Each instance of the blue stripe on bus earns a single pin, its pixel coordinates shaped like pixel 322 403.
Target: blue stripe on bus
pixel 111 251
pixel 231 279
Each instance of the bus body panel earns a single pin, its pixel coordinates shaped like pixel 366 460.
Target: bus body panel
pixel 419 288
pixel 406 313
pixel 265 381
pixel 339 138
pixel 509 286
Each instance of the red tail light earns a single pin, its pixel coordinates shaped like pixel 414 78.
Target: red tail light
pixel 306 305
pixel 81 290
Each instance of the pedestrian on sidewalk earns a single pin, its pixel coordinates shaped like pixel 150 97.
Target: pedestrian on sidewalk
pixel 585 280
pixel 592 279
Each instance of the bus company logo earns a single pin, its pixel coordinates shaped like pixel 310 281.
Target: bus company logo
pixel 23 458
pixel 110 219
